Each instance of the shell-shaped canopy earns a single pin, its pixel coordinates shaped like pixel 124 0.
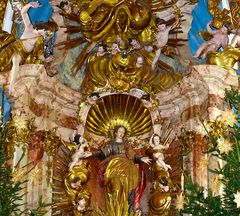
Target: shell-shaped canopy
pixel 118 109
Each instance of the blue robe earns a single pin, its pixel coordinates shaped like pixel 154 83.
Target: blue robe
pixel 7 107
pixel 201 17
pixel 40 14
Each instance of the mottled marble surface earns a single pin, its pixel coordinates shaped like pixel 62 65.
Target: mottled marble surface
pixel 54 105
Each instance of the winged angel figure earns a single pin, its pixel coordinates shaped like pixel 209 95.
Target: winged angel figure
pixel 118 22
pixel 29 47
pixel 225 22
pixel 79 188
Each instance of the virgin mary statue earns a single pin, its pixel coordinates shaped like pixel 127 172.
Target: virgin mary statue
pixel 121 174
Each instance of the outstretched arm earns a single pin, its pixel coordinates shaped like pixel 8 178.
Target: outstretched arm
pixel 24 13
pixel 209 28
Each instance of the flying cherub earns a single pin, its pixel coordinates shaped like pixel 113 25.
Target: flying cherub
pixel 219 39
pixel 162 37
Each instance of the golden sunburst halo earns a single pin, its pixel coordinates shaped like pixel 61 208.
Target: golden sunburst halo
pixel 119 109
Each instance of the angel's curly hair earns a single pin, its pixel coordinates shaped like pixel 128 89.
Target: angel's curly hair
pixel 49 25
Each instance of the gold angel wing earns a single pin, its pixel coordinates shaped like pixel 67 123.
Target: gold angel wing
pixel 205 35
pixel 60 197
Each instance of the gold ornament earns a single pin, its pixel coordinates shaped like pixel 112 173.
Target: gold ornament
pixel 216 128
pixel 119 109
pixel 19 175
pixel 160 201
pixel 220 15
pixel 203 163
pixel 187 141
pixel 3 6
pixel 225 59
pixel 108 20
pixel 22 129
pixel 160 204
pixel 51 142
pixel 216 184
pixel 85 17
pixel 34 175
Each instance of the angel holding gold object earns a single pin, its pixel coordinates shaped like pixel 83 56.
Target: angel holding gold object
pixel 80 153
pixel 219 39
pixel 15 52
pixel 157 151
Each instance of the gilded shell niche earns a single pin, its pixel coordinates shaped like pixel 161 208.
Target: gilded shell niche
pixel 118 109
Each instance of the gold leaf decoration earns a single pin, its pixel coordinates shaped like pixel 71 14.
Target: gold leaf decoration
pixel 3 6
pixel 119 109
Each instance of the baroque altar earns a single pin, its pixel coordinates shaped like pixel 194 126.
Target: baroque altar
pixel 107 119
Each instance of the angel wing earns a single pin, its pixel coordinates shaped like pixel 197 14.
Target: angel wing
pixel 155 6
pixel 17 6
pixel 205 35
pixel 60 196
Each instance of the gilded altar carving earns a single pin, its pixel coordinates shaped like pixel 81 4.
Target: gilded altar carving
pixel 226 22
pixel 225 59
pixel 118 65
pixel 222 16
pixel 3 6
pixel 117 153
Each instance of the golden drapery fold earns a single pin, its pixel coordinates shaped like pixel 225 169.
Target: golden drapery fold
pixel 9 46
pixel 103 19
pixel 120 178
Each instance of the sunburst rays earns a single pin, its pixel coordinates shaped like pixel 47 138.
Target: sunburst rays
pixel 119 109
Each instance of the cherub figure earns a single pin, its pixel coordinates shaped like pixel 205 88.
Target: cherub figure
pixel 82 203
pixel 79 154
pixel 139 62
pixel 17 51
pixel 115 48
pixel 161 38
pixel 102 49
pixel 65 6
pixel 219 39
pixel 155 143
pixel 135 44
pixel 92 98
